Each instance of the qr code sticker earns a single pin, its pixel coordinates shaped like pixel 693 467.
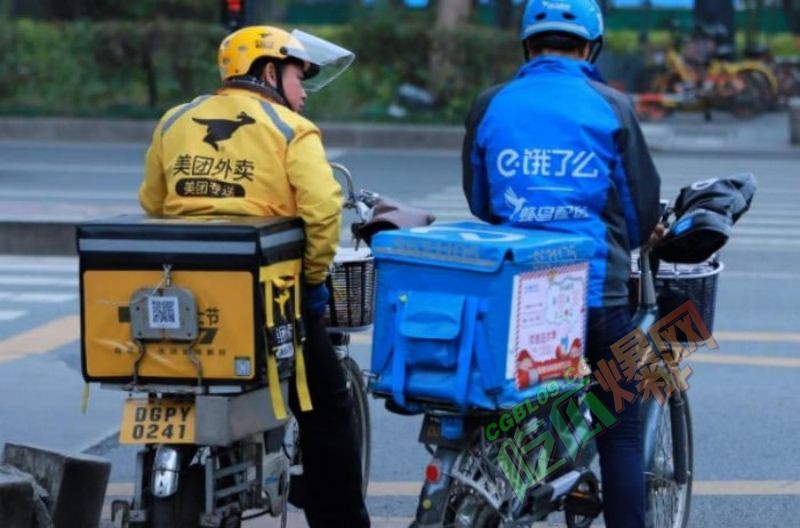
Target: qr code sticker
pixel 163 312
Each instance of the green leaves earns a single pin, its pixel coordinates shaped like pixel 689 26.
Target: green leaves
pixel 141 68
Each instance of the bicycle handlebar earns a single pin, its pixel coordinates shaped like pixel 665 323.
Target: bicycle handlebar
pixel 361 202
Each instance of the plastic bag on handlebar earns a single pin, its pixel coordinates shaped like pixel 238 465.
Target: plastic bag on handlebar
pixel 730 196
pixel 388 214
pixel 705 212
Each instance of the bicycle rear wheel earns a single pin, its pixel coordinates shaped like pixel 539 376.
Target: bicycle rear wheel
pixel 669 479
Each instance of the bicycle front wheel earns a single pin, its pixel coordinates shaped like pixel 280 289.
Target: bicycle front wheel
pixel 361 419
pixel 669 479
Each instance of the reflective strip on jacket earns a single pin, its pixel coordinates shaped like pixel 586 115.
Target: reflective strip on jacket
pixel 557 149
pixel 239 153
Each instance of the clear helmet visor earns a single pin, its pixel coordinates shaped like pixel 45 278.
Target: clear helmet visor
pixel 330 59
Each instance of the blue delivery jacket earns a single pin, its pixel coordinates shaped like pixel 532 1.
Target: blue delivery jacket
pixel 557 149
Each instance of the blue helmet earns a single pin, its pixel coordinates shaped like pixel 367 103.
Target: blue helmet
pixel 582 18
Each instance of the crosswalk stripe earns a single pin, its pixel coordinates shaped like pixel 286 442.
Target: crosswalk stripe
pixel 763 241
pixel 69 195
pixel 11 315
pixel 758 337
pixel 745 231
pixel 365 338
pixel 760 275
pixel 748 221
pixel 29 263
pixel 89 168
pixel 750 361
pixel 23 280
pixel 40 268
pixel 763 248
pixel 43 298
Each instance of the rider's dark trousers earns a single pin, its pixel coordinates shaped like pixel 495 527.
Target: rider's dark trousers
pixel 331 462
pixel 620 448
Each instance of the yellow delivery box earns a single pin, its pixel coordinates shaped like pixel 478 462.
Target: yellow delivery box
pixel 198 300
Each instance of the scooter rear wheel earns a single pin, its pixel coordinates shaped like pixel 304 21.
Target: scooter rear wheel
pixel 182 510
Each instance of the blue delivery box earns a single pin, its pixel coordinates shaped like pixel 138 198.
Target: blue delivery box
pixel 474 315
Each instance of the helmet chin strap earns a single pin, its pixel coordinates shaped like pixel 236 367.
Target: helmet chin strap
pixel 595 47
pixel 279 78
pixel 259 85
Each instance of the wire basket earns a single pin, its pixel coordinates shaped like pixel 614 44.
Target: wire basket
pixel 352 285
pixel 678 283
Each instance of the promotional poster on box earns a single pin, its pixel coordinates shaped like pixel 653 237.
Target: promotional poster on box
pixel 548 324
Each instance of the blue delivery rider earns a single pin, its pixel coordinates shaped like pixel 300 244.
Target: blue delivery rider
pixel 557 149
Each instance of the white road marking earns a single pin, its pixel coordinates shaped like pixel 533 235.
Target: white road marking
pixel 763 221
pixel 39 264
pixel 760 275
pixel 11 315
pixel 24 280
pixel 763 241
pixel 61 168
pixel 43 298
pixel 746 231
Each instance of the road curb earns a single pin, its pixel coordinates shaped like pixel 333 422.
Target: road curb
pixel 16 501
pixel 338 135
pixel 661 137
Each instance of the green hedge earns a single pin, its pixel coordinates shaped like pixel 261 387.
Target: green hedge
pixel 104 68
pixel 134 69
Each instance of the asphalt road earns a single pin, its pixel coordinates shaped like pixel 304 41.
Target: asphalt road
pixel 744 395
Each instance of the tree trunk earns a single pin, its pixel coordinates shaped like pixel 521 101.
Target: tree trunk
pixel 504 13
pixel 452 13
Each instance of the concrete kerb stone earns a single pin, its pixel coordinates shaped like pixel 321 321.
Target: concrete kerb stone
pixel 340 135
pixel 75 484
pixel 662 137
pixel 16 501
pixel 68 129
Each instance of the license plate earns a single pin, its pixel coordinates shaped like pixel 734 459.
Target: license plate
pixel 157 422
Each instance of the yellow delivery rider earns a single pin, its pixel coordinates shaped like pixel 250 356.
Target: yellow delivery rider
pixel 246 150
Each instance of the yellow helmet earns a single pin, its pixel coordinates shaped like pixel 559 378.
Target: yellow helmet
pixel 239 50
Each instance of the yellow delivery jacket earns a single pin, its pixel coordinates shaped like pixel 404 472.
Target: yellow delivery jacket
pixel 239 153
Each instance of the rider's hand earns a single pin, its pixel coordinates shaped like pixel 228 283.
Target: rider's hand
pixel 656 235
pixel 317 299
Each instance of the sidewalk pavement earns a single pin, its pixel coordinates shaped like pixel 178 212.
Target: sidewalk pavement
pixel 765 135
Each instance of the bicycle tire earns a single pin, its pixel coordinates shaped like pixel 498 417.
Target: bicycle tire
pixel 767 98
pixel 746 99
pixel 183 508
pixel 687 414
pixel 358 391
pixel 663 472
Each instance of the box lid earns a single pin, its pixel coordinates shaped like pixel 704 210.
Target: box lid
pixel 196 235
pixel 480 247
